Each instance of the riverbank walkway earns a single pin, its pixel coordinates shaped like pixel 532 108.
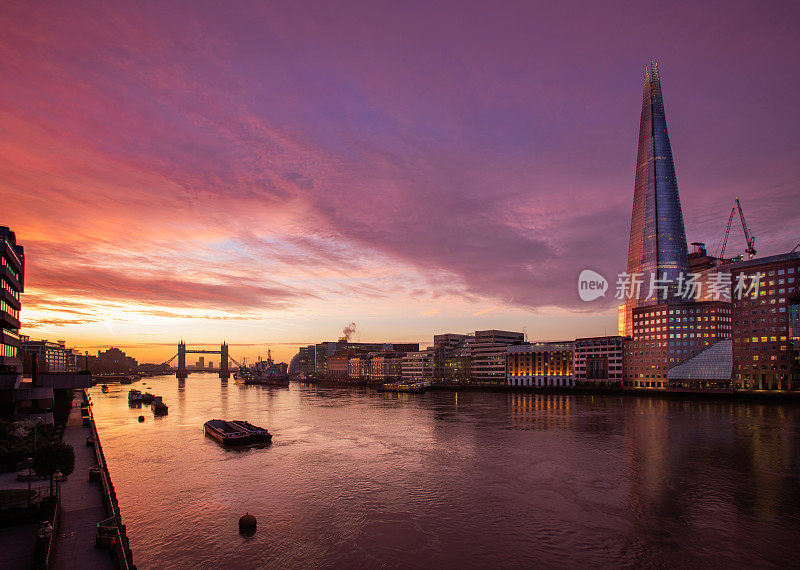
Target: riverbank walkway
pixel 82 505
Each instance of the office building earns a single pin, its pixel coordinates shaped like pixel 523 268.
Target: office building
pixel 49 356
pixel 386 366
pixel 303 363
pixel 325 350
pixel 420 366
pixel 597 361
pixel 488 356
pixel 764 352
pixel 667 334
pixel 358 367
pixel 12 276
pixel 540 365
pixel 453 351
pixel 657 246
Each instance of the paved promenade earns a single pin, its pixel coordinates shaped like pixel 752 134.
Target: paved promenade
pixel 82 504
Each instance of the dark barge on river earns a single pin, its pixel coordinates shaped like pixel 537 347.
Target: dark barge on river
pixel 236 432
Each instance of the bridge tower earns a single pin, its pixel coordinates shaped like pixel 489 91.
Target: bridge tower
pixel 223 361
pixel 182 373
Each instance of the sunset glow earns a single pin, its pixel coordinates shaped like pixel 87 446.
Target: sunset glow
pixel 267 174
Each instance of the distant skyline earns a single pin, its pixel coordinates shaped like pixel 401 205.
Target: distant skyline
pixel 268 174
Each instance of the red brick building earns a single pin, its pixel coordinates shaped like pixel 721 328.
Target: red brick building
pixel 765 357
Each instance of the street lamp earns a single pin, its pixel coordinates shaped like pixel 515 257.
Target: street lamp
pixel 54 475
pixel 30 464
pixel 57 475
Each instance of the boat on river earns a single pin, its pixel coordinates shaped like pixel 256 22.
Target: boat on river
pixel 236 432
pixel 134 397
pixel 404 387
pixel 158 406
pixel 264 373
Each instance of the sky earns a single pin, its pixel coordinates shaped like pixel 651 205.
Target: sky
pixel 268 172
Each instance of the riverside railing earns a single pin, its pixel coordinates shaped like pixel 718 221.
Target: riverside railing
pixel 110 532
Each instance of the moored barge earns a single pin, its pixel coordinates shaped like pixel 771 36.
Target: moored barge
pixel 158 406
pixel 409 388
pixel 237 432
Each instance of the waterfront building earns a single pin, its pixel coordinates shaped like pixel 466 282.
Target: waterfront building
pixel 339 364
pixel 488 356
pixel 765 354
pixel 112 360
pixel 708 370
pixel 358 367
pixel 540 365
pixel 420 366
pixel 450 341
pixel 597 361
pixel 323 351
pixel 401 346
pixel 455 364
pixel 667 334
pixel 657 246
pixel 50 356
pixel 12 276
pixel 303 363
pixel 386 366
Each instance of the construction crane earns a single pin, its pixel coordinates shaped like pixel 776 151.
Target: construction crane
pixel 751 239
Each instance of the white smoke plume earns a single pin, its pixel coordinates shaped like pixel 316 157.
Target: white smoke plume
pixel 348 330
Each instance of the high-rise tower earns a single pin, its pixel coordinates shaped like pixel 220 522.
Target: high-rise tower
pixel 658 240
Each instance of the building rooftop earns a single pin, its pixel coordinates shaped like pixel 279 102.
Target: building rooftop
pixel 764 260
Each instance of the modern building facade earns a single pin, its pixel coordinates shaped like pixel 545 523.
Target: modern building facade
pixel 12 276
pixel 765 354
pixel 386 366
pixel 50 356
pixel 657 248
pixel 667 334
pixel 488 356
pixel 540 365
pixel 323 352
pixel 597 361
pixel 358 367
pixel 420 366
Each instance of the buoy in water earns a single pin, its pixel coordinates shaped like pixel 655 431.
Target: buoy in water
pixel 141 419
pixel 247 524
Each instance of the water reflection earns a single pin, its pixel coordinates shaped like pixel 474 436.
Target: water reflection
pixel 357 478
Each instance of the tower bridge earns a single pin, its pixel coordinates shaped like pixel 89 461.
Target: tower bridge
pixel 183 371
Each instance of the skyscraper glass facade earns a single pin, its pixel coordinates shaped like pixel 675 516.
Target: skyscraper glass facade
pixel 657 244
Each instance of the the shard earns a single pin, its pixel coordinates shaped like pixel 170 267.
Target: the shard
pixel 658 240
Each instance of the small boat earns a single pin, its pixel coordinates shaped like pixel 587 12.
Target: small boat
pixel 237 432
pixel 104 389
pixel 134 396
pixel 159 408
pixel 409 388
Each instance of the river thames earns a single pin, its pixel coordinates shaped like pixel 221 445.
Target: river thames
pixel 361 479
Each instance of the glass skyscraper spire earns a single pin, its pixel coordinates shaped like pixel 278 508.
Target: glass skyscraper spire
pixel 658 240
